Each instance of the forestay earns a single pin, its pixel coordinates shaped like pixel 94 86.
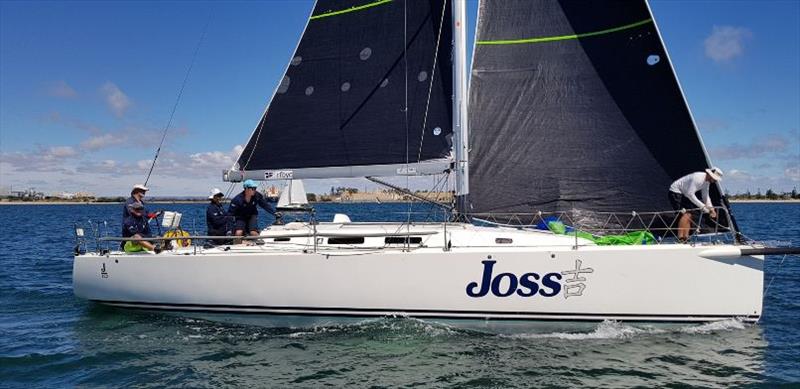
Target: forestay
pixel 360 96
pixel 574 106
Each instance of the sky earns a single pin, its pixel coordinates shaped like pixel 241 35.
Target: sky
pixel 86 89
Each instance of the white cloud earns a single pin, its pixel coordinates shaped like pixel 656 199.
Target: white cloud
pixel 59 152
pixel 741 181
pixel 792 174
pixel 144 163
pixel 50 159
pixel 212 159
pixel 116 100
pixel 62 90
pixel 736 174
pixel 726 43
pixel 102 141
pixel 237 150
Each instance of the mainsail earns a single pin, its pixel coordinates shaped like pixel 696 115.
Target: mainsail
pixel 368 91
pixel 574 106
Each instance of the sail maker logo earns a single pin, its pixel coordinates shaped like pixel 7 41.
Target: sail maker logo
pixel 570 281
pixel 278 174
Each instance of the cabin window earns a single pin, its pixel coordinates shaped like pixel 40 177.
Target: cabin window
pixel 347 240
pixel 403 240
pixel 281 239
pixel 503 240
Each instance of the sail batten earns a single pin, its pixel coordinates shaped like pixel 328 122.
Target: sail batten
pixel 343 101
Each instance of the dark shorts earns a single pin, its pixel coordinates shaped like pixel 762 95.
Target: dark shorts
pixel 222 233
pixel 217 232
pixel 247 223
pixel 679 201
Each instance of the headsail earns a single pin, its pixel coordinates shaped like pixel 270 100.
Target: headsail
pixel 574 106
pixel 340 109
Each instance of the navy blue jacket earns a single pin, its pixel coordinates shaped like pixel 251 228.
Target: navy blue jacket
pixel 133 225
pixel 240 209
pixel 216 219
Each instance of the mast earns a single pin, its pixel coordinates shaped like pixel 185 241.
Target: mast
pixel 460 123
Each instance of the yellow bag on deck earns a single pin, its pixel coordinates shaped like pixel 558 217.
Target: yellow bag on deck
pixel 177 234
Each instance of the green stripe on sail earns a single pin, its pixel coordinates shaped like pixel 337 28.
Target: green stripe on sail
pixel 351 9
pixel 564 37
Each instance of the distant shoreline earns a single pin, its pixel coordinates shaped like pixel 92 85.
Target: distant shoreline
pixel 98 202
pixel 765 201
pixel 783 201
pixel 162 202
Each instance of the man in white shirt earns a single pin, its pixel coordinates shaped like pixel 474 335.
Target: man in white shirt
pixel 683 195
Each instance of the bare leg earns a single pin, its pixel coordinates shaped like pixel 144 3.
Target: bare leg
pixel 684 224
pixel 149 246
pixel 238 233
pixel 252 233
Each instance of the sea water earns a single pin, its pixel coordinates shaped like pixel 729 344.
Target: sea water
pixel 49 338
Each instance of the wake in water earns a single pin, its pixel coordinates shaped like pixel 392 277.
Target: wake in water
pixel 394 328
pixel 610 329
pixel 399 326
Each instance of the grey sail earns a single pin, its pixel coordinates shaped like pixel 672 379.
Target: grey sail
pixel 574 106
pixel 367 92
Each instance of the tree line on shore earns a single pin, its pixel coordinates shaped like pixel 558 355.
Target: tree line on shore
pixel 768 195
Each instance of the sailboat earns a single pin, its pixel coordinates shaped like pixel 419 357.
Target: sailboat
pixel 293 197
pixel 573 113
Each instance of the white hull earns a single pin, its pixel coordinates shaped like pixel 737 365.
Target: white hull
pixel 673 283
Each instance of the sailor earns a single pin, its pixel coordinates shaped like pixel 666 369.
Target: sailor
pixel 136 225
pixel 137 196
pixel 217 220
pixel 683 195
pixel 245 212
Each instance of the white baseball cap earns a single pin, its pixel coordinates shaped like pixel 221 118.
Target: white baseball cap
pixel 215 192
pixel 140 187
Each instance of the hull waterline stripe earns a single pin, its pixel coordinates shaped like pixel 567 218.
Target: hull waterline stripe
pixel 352 9
pixel 564 37
pixel 439 314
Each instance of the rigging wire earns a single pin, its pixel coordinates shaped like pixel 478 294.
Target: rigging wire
pixel 405 111
pixel 773 277
pixel 178 99
pixel 433 75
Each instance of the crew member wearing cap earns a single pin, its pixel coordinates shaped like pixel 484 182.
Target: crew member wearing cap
pixel 137 196
pixel 245 212
pixel 136 225
pixel 217 220
pixel 683 195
